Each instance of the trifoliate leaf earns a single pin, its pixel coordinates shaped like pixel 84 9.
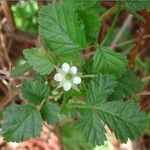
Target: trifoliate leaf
pixel 21 123
pixel 101 87
pixel 123 118
pixel 108 61
pixel 34 92
pixel 50 112
pixel 40 60
pixel 61 28
pixel 20 70
pixel 127 85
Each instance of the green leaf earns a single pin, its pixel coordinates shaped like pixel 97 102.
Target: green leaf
pixel 50 112
pixel 20 70
pixel 21 123
pixel 127 85
pixel 89 13
pixel 107 61
pixel 101 87
pixel 61 28
pixel 91 21
pixel 123 118
pixel 35 92
pixel 91 126
pixel 73 139
pixel 40 60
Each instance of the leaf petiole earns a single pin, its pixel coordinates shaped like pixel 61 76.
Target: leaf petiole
pixel 89 76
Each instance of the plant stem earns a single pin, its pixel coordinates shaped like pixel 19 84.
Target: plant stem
pixel 89 76
pixel 107 14
pixel 40 106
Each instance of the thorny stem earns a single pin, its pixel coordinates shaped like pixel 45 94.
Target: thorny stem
pixel 107 14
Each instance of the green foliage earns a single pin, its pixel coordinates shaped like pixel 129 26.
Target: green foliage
pixel 107 61
pixel 73 139
pixel 67 28
pixel 127 85
pixel 25 14
pixel 20 70
pixel 61 28
pixel 21 123
pixel 50 112
pixel 34 91
pixel 39 60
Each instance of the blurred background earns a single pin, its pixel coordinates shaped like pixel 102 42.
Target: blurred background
pixel 19 30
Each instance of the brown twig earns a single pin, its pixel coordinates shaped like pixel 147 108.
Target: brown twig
pixel 19 35
pixel 136 48
pixel 8 14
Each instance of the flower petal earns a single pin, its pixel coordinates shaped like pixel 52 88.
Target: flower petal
pixel 65 67
pixel 73 69
pixel 67 86
pixel 58 77
pixel 76 80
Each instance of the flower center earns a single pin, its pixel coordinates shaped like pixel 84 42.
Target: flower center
pixel 68 76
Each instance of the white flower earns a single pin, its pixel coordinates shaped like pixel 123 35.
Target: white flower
pixel 67 77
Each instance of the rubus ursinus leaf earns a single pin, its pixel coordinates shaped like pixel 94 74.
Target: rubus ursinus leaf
pixel 40 60
pixel 21 123
pixel 123 118
pixel 61 28
pixel 107 61
pixel 20 70
pixel 50 112
pixel 34 91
